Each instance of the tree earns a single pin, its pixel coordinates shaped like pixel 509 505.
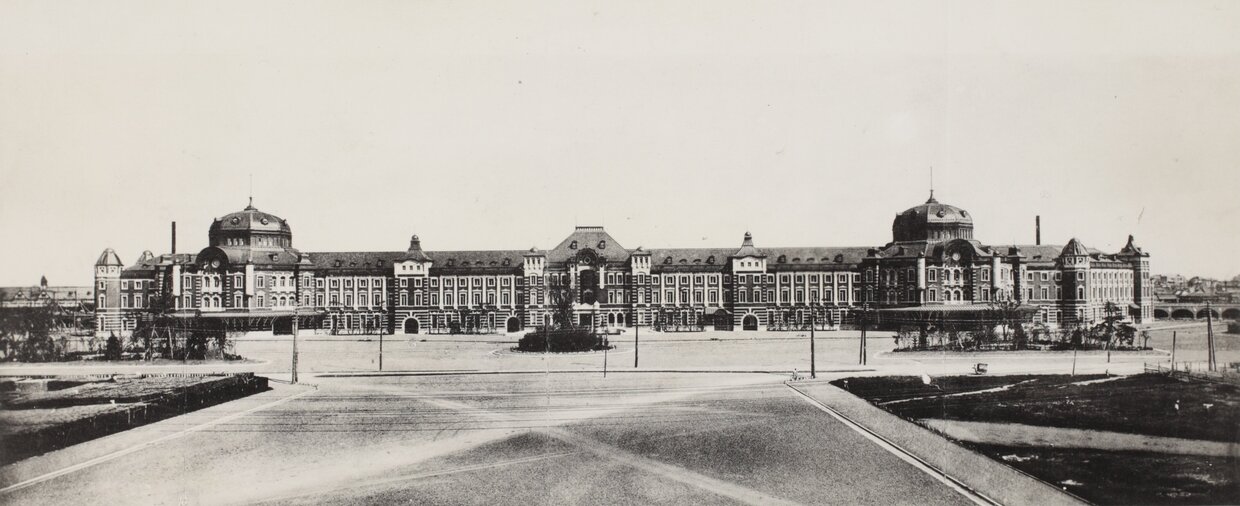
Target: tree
pixel 1109 328
pixel 112 350
pixel 27 334
pixel 563 298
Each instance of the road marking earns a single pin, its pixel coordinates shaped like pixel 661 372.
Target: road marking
pixel 121 453
pixel 420 476
pixel 735 491
pixel 894 449
pixel 672 472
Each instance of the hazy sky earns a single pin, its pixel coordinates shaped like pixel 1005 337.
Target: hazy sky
pixel 499 125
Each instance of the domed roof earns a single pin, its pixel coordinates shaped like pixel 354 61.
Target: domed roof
pixel 934 212
pixel 1074 248
pixel 108 258
pixel 948 222
pixel 251 219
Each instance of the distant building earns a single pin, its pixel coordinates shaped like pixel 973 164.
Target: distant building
pixel 43 294
pixel 251 278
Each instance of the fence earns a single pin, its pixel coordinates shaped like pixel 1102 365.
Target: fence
pixel 1224 373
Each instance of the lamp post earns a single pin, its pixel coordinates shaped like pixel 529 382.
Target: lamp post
pixel 813 370
pixel 864 314
pixel 297 297
pixel 637 335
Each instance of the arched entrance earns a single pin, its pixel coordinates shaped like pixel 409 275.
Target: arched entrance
pixel 750 322
pixel 1161 314
pixel 282 326
pixel 411 326
pixel 1182 314
pixel 514 324
pixel 1204 312
pixel 1231 313
pixel 723 320
pixel 620 319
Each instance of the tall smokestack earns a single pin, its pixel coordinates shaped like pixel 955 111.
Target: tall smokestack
pixel 174 239
pixel 1037 230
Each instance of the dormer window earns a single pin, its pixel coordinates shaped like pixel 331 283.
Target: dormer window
pixel 572 245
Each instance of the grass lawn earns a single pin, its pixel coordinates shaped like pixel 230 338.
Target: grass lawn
pixel 1112 477
pixel 1140 404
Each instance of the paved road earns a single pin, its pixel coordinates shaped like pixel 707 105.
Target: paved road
pixel 494 439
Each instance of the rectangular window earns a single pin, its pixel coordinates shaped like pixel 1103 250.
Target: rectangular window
pixel 1045 276
pixel 260 301
pixel 124 284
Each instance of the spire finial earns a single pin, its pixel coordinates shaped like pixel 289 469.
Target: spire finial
pixel 251 205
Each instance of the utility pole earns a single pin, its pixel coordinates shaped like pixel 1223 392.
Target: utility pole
pixel 380 349
pixel 296 313
pixel 813 370
pixel 637 336
pixel 1173 350
pixel 1210 337
pixel 865 309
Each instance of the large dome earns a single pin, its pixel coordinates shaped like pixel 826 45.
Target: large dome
pixel 250 227
pixel 932 222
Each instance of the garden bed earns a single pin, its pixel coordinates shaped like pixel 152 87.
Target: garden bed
pixel 36 422
pixel 1146 404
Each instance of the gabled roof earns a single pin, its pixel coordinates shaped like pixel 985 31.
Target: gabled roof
pixel 244 255
pixel 1131 249
pixel 665 258
pixel 415 252
pixel 383 260
pixel 748 249
pixel 843 256
pixel 588 237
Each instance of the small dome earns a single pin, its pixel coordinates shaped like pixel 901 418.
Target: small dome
pixel 108 258
pixel 1074 248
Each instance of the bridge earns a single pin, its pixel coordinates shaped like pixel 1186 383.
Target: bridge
pixel 1196 310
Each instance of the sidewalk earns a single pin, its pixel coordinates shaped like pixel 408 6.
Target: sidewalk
pixel 1015 434
pixel 994 480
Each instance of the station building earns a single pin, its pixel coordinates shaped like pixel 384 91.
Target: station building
pixel 251 278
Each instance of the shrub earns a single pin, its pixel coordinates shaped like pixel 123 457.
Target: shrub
pixel 562 340
pixel 112 350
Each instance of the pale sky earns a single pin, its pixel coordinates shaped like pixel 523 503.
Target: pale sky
pixel 500 125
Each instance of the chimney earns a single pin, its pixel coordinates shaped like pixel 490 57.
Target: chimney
pixel 1037 230
pixel 174 240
